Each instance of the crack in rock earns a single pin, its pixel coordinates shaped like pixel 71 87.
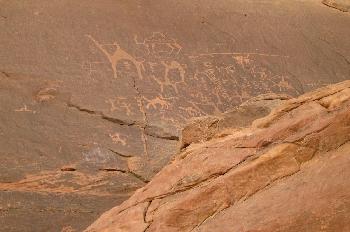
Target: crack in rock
pixel 144 114
pixel 103 116
pixel 120 154
pixel 146 130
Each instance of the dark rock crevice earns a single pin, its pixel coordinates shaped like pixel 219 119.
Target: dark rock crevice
pixel 103 116
pixel 149 130
pixel 120 154
pixel 138 176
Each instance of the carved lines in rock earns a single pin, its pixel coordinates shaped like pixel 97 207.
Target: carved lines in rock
pixel 237 76
pixel 119 54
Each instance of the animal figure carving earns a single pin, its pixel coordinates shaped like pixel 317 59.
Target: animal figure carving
pixel 119 54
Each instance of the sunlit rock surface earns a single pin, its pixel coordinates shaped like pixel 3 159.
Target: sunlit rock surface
pixel 93 94
pixel 288 171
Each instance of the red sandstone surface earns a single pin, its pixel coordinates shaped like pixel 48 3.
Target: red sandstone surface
pixel 94 95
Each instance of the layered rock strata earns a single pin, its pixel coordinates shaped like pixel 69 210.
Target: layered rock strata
pixel 287 171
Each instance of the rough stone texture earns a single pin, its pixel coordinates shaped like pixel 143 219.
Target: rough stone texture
pixel 288 171
pixel 205 128
pixel 93 93
pixel 343 5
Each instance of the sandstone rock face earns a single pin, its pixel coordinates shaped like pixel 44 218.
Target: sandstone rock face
pixel 93 94
pixel 343 5
pixel 205 128
pixel 288 171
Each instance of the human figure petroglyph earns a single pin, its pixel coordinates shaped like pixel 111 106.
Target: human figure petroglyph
pixel 119 54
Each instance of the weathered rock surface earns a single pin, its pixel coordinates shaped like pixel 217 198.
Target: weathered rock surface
pixel 93 93
pixel 343 5
pixel 288 171
pixel 205 128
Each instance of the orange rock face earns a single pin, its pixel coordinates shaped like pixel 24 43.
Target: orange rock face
pixel 342 5
pixel 287 171
pixel 94 95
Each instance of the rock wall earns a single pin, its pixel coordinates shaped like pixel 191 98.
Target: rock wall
pixel 93 94
pixel 286 172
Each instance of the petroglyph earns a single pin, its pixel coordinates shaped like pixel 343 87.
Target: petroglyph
pixel 316 84
pixel 98 156
pixel 118 55
pixel 90 68
pixel 173 65
pixel 196 107
pixel 283 84
pixel 159 45
pixel 242 60
pixel 25 109
pixel 159 100
pixel 211 82
pixel 46 94
pixel 168 81
pixel 116 138
pixel 120 103
pixel 68 229
pixel 190 111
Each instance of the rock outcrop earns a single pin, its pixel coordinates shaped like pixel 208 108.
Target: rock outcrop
pixel 94 94
pixel 205 128
pixel 287 171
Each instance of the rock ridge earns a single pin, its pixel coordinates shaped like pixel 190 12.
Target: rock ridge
pixel 209 180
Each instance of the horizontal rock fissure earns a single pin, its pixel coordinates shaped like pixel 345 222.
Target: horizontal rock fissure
pixel 100 114
pixel 121 122
pixel 68 169
pixel 139 177
pixel 120 154
pixel 165 137
pixel 112 170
